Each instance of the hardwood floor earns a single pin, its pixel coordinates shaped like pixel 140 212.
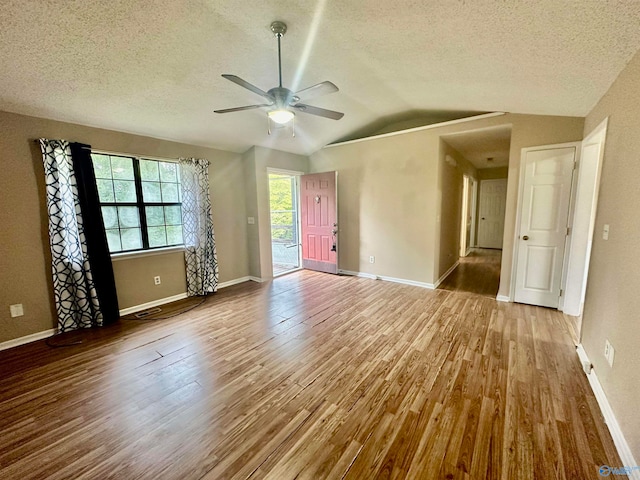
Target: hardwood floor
pixel 478 272
pixel 308 376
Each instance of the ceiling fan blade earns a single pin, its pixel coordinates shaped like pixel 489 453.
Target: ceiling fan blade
pixel 243 83
pixel 239 109
pixel 321 112
pixel 323 88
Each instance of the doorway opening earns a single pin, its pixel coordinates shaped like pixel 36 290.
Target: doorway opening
pixel 285 230
pixel 478 180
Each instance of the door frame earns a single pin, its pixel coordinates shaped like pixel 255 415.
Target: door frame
pixel 473 242
pixel 296 175
pixel 579 255
pixel 464 247
pixel 516 233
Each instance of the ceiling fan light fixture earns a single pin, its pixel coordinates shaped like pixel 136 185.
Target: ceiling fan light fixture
pixel 281 115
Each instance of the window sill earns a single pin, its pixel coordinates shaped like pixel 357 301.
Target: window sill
pixel 146 253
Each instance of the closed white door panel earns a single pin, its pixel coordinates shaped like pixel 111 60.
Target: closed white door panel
pixel 493 197
pixel 543 225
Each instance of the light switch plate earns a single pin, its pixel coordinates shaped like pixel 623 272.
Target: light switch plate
pixel 16 310
pixel 605 232
pixel 251 220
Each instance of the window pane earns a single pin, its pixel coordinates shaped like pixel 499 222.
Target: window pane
pixel 110 217
pixel 128 218
pixel 131 238
pixel 154 216
pixel 101 166
pixel 151 192
pixel 157 236
pixel 105 190
pixel 172 215
pixel 122 168
pixel 170 192
pixel 168 172
pixel 149 170
pixel 125 190
pixel 113 239
pixel 174 235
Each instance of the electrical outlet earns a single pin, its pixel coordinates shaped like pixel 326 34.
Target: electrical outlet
pixel 609 352
pixel 605 232
pixel 156 280
pixel 16 310
pixel 372 259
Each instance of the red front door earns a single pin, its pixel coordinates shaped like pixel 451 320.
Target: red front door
pixel 319 222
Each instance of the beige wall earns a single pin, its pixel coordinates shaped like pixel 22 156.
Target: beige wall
pixel 24 249
pixel 256 162
pixel 612 303
pixel 493 173
pixel 388 194
pixel 450 186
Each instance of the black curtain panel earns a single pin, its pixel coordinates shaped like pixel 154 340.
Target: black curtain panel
pixel 96 238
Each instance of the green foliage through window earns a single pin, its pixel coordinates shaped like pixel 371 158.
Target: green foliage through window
pixel 133 221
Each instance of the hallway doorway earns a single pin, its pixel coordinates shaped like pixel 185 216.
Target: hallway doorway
pixel 478 272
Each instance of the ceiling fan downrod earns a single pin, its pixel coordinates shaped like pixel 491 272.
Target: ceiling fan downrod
pixel 279 29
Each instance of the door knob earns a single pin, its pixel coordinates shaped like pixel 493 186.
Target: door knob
pixel 526 237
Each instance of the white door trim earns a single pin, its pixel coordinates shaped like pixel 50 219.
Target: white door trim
pixel 474 212
pixel 516 233
pixel 583 225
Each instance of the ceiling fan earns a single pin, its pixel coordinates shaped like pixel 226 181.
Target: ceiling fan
pixel 281 101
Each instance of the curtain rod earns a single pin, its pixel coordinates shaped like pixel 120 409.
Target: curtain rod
pixel 120 154
pixel 147 157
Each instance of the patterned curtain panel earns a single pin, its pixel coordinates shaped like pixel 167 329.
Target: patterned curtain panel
pixel 74 290
pixel 199 241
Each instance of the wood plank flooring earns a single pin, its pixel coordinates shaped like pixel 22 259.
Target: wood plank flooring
pixel 308 376
pixel 478 272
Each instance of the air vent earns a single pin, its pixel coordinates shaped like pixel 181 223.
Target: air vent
pixel 146 313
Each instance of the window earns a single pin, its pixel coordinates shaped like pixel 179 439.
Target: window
pixel 140 201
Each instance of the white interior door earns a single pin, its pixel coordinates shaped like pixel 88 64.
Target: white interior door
pixel 544 211
pixel 493 198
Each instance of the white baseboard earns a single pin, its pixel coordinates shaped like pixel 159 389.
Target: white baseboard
pixel 257 279
pixel 180 296
pixel 235 281
pixel 387 279
pixel 447 273
pixel 503 298
pixel 351 273
pixel 27 339
pixel 154 303
pixel 605 407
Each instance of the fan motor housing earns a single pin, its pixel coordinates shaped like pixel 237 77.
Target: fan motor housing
pixel 283 96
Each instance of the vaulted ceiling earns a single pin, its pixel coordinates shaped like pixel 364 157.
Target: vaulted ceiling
pixel 153 67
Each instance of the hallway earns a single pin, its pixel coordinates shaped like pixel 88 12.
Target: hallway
pixel 478 272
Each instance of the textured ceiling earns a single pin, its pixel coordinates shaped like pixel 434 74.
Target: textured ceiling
pixel 153 67
pixel 479 145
